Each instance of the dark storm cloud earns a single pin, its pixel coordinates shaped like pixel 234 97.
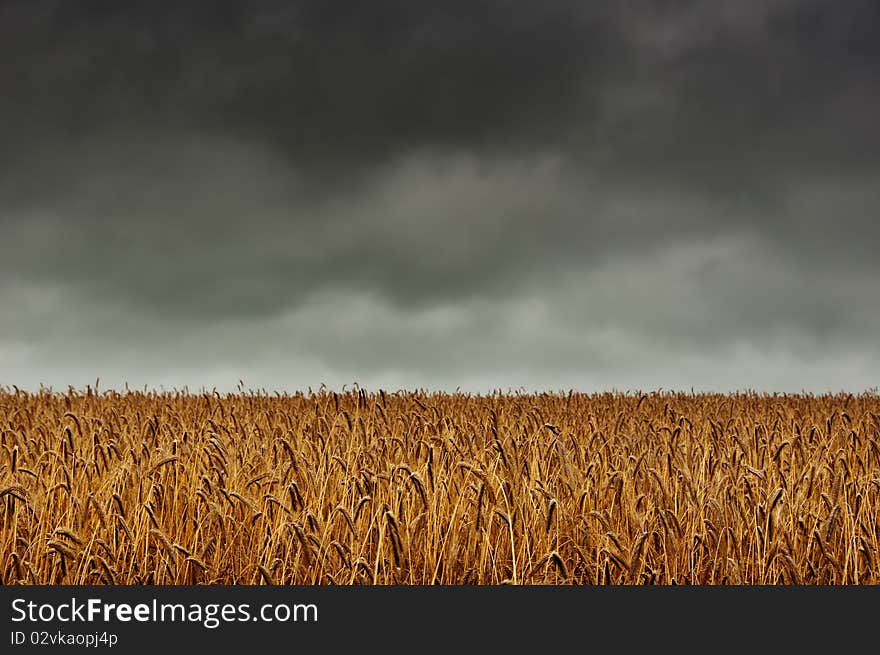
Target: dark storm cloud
pixel 431 193
pixel 333 83
pixel 329 82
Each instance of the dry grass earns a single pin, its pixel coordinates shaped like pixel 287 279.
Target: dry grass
pixel 415 488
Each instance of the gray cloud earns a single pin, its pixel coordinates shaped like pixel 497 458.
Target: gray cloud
pixel 330 83
pixel 479 193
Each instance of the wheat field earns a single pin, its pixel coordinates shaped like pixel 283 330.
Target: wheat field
pixel 427 488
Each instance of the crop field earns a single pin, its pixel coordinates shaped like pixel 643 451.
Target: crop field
pixel 424 488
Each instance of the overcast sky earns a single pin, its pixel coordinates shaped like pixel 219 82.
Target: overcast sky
pixel 508 194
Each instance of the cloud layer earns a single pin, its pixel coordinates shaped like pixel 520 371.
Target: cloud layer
pixel 474 194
